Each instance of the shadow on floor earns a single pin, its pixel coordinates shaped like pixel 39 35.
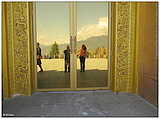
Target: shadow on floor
pixel 60 79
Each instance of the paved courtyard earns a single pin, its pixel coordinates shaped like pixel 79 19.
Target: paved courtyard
pixel 91 63
pixel 96 74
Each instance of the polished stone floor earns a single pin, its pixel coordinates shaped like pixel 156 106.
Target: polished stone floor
pixel 79 103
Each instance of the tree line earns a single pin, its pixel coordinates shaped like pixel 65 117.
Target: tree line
pixel 99 52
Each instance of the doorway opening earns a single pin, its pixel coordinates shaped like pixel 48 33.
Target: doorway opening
pixel 53 31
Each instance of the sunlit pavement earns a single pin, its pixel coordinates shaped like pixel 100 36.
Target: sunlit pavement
pixel 58 64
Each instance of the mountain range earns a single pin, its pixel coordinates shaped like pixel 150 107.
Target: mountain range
pixel 91 43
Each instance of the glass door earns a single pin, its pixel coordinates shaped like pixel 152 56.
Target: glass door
pixel 92 44
pixel 53 45
pixel 62 29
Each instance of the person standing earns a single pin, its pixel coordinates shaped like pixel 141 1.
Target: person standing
pixel 82 57
pixel 39 56
pixel 67 59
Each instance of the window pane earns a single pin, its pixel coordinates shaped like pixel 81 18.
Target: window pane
pixel 53 35
pixel 92 21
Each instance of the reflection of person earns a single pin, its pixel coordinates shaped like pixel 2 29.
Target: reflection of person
pixel 39 56
pixel 82 57
pixel 67 59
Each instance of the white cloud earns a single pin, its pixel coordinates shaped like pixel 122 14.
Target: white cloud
pixel 101 28
pixel 103 21
pixel 45 39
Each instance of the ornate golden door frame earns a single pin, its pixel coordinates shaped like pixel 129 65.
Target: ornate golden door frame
pixel 18 51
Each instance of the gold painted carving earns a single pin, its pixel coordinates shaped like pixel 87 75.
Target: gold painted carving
pixel 124 46
pixel 21 48
pixel 18 47
pixel 122 42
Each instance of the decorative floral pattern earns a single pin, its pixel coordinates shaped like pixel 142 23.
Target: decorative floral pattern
pixel 21 49
pixel 18 47
pixel 124 48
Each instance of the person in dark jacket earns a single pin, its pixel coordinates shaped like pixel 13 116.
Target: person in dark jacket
pixel 67 59
pixel 39 56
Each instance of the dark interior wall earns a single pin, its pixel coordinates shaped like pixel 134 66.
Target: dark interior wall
pixel 147 51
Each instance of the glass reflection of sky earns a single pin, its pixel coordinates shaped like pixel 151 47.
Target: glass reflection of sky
pixel 53 20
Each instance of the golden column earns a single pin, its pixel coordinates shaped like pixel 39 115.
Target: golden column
pixel 18 46
pixel 123 47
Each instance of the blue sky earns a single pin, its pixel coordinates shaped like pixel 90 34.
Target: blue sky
pixel 90 12
pixel 53 19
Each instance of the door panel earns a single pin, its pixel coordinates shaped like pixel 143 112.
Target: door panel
pixel 53 35
pixel 92 31
pixel 72 23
